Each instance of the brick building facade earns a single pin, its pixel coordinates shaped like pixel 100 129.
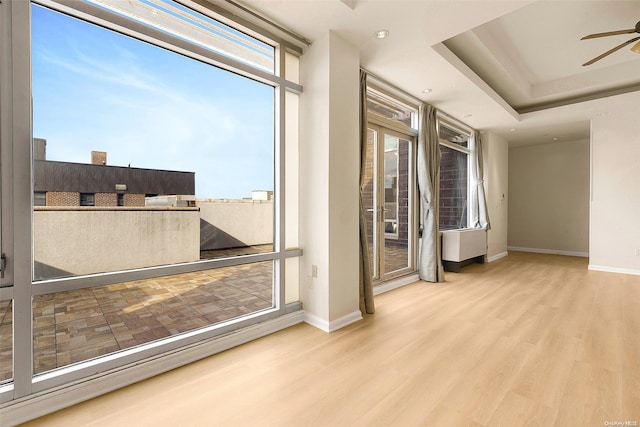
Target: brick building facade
pixel 98 184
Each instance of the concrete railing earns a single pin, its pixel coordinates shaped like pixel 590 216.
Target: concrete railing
pixel 227 223
pixel 85 240
pixel 71 241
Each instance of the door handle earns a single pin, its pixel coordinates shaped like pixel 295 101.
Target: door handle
pixel 3 264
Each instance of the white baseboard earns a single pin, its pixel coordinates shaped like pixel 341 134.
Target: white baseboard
pixel 333 325
pixel 614 270
pixel 497 256
pixel 37 405
pixel 548 251
pixel 395 284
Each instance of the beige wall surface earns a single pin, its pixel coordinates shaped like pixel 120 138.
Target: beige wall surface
pixel 235 223
pixel 329 164
pixel 314 181
pixel 549 197
pixel 496 182
pixel 344 176
pixel 85 241
pixel 615 199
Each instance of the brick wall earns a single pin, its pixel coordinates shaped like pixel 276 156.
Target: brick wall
pixel 403 194
pixel 70 198
pixel 63 198
pixel 453 189
pixel 133 200
pixel 106 199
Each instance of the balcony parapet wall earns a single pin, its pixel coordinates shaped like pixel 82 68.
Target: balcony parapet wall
pixel 85 240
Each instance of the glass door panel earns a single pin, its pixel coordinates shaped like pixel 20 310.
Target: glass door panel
pixel 396 203
pixel 6 340
pixel 369 198
pixel 387 196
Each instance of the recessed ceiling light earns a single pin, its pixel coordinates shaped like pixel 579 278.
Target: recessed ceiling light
pixel 426 90
pixel 555 138
pixel 381 34
pixel 512 130
pixel 466 116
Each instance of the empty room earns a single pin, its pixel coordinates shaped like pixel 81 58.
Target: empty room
pixel 319 213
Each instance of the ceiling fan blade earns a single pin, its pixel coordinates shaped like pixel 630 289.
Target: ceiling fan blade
pixel 636 48
pixel 610 51
pixel 610 33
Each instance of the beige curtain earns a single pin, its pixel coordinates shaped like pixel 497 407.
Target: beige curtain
pixel 366 283
pixel 430 262
pixel 479 213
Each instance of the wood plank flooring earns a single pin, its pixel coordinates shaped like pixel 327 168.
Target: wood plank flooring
pixel 529 340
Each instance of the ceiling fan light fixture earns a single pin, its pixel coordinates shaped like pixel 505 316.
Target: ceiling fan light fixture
pixel 635 48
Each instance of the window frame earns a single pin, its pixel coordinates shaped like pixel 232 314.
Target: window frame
pixel 39 198
pixel 388 123
pixel 87 199
pixel 23 287
pixel 453 124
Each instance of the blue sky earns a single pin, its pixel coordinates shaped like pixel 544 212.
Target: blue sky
pixel 97 90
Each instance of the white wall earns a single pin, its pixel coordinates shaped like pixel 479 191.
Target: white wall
pixel 496 181
pixel 615 198
pixel 329 162
pixel 549 197
pixel 94 240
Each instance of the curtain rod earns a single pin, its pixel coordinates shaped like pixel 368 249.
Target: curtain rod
pixel 412 98
pixel 455 122
pixel 392 87
pixel 288 32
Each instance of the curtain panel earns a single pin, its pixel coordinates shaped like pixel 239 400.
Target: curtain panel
pixel 479 211
pixel 430 263
pixel 366 280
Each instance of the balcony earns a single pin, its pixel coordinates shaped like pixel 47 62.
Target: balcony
pixel 78 325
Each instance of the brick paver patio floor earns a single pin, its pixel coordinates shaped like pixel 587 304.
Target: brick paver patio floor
pixel 77 325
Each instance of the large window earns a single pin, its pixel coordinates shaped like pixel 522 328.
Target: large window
pixel 158 142
pixel 87 199
pixel 454 176
pixel 140 119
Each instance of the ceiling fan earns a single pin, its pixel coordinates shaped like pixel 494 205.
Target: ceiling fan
pixel 635 48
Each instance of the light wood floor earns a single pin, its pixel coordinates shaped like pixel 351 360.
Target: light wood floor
pixel 529 340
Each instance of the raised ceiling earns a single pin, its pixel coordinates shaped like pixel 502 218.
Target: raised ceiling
pixel 513 67
pixel 533 57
